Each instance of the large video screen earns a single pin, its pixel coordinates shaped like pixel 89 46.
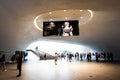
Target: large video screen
pixel 61 28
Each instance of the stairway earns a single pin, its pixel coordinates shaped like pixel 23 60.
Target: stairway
pixel 41 54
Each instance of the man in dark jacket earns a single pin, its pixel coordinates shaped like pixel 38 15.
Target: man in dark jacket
pixel 19 63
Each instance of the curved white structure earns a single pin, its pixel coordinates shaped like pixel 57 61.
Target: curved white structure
pixel 51 47
pixel 84 16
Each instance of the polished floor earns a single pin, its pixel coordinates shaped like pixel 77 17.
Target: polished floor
pixel 75 70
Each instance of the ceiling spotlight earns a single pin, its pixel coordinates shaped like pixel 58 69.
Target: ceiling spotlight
pixel 66 18
pixel 65 10
pixel 81 10
pixel 81 17
pixel 50 12
pixel 51 19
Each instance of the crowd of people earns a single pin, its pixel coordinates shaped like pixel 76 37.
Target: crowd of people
pixel 105 56
pixel 68 56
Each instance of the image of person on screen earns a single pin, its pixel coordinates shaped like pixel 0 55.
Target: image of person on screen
pixel 67 29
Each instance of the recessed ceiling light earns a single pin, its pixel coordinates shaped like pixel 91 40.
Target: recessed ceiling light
pixel 65 10
pixel 81 10
pixel 66 18
pixel 51 19
pixel 81 17
pixel 50 12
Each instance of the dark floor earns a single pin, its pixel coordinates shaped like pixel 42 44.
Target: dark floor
pixel 76 70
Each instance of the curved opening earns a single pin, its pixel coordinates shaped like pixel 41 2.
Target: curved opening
pixel 51 47
pixel 83 16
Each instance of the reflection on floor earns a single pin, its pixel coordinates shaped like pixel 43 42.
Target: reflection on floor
pixel 76 70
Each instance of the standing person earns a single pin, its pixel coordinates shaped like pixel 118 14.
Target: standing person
pixel 45 56
pixel 104 55
pixel 55 58
pixel 81 57
pixel 3 66
pixel 90 56
pixel 36 48
pixel 84 55
pixel 70 57
pixel 97 56
pixel 19 63
pixel 0 63
pixel 108 56
pixel 111 56
pixel 67 57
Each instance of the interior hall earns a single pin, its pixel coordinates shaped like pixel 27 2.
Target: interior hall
pixel 59 39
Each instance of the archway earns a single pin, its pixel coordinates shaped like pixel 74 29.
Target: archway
pixel 51 47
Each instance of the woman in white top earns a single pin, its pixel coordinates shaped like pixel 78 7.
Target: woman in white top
pixel 56 58
pixel 67 29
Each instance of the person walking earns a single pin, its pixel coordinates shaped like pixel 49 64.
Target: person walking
pixel 55 58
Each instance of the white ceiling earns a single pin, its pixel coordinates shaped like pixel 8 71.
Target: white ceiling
pixel 17 30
